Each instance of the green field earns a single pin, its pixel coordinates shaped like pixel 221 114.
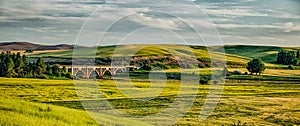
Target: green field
pixel 264 102
pixel 270 99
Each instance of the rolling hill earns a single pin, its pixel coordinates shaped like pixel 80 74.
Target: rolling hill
pixel 235 54
pixel 266 53
pixel 13 46
pixel 143 50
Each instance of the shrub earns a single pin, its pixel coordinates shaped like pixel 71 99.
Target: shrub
pixel 204 80
pixel 69 75
pixel 176 76
pixel 236 72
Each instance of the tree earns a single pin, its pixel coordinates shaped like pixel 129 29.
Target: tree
pixel 298 54
pixel 64 70
pixel 10 72
pixel 287 57
pixel 19 65
pixel 25 66
pixel 2 64
pixel 31 70
pixel 256 66
pixel 40 66
pixel 56 70
pixel 49 70
pixel 15 65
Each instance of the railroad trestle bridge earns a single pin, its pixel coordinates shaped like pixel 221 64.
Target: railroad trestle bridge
pixel 97 71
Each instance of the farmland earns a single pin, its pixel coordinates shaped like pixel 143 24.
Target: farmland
pixel 269 102
pixel 269 99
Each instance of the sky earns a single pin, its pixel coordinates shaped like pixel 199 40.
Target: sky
pixel 88 22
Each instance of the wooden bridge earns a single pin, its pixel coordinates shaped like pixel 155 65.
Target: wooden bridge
pixel 96 71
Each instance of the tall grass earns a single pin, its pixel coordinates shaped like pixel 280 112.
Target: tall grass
pixel 18 112
pixel 270 102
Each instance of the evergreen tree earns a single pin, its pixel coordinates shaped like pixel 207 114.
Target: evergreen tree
pixel 15 65
pixel 49 70
pixel 19 65
pixel 10 72
pixel 40 66
pixel 56 70
pixel 2 64
pixel 298 54
pixel 64 70
pixel 286 57
pixel 25 66
pixel 31 70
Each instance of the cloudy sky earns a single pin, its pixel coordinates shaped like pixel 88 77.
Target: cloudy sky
pixel 251 22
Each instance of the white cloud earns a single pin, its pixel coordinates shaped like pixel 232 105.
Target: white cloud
pixel 237 12
pixel 28 19
pixel 245 26
pixel 290 26
pixel 155 22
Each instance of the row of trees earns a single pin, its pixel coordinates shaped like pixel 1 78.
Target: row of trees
pixel 288 57
pixel 15 65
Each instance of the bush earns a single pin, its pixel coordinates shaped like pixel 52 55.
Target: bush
pixel 69 75
pixel 176 76
pixel 236 72
pixel 147 67
pixel 204 80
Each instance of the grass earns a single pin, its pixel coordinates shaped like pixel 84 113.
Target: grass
pixel 248 101
pixel 273 72
pixel 270 99
pixel 18 112
pixel 266 53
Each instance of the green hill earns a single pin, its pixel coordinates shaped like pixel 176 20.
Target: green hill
pixel 235 54
pixel 143 50
pixel 266 53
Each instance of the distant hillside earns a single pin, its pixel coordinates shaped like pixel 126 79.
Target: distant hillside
pixel 235 54
pixel 12 46
pixel 266 53
pixel 200 53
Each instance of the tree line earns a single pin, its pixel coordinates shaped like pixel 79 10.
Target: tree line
pixel 15 65
pixel 288 57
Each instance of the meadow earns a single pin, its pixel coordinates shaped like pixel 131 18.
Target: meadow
pixel 268 101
